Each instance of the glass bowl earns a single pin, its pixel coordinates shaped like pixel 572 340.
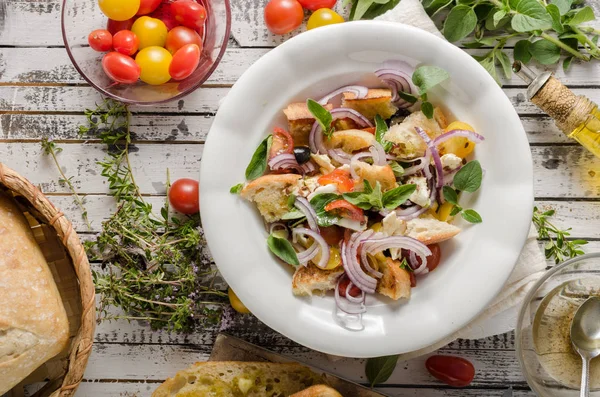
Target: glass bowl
pixel 550 365
pixel 80 17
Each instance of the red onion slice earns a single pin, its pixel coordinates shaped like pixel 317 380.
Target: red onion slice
pixel 410 213
pixel 315 139
pixel 358 299
pixel 318 240
pixel 397 75
pixel 357 90
pixel 355 159
pixel 308 168
pixel 470 135
pixel 350 262
pixel 307 255
pixel 357 308
pixel 284 161
pixel 367 265
pixel 375 245
pixel 340 156
pixel 415 168
pixel 278 225
pixel 311 216
pixel 432 150
pixel 379 157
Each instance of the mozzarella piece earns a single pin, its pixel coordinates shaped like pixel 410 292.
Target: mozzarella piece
pixel 422 193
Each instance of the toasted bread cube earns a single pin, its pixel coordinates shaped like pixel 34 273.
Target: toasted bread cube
pixel 395 282
pixel 350 140
pixel 376 173
pixel 312 280
pixel 270 193
pixel 429 230
pixel 377 101
pixel 407 142
pixel 300 121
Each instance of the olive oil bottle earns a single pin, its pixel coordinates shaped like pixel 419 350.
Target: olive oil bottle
pixel 576 116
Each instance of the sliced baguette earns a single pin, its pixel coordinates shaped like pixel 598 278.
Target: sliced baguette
pixel 311 280
pixel 395 282
pixel 377 101
pixel 300 121
pixel 430 230
pixel 270 193
pixel 408 143
pixel 351 140
pixel 318 391
pixel 376 173
pixel 234 379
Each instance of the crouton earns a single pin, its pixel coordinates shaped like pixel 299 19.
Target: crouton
pixel 377 101
pixel 300 121
pixel 350 140
pixel 376 173
pixel 310 279
pixel 407 142
pixel 324 162
pixel 430 230
pixel 270 193
pixel 395 282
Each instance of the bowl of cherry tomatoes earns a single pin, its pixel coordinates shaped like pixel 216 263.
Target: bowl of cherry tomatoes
pixel 146 51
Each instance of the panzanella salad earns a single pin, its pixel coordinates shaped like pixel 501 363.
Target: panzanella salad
pixel 360 188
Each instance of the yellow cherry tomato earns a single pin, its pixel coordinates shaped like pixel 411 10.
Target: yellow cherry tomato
pixel 150 31
pixel 323 17
pixel 119 10
pixel 335 259
pixel 236 303
pixel 459 146
pixel 154 62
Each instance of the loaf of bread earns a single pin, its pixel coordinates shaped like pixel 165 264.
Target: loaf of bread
pixel 33 322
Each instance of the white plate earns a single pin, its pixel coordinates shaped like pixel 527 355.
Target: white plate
pixel 475 264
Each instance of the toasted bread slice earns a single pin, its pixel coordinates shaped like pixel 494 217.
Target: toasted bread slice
pixel 395 282
pixel 377 101
pixel 430 230
pixel 233 379
pixel 408 143
pixel 376 173
pixel 318 391
pixel 310 279
pixel 300 121
pixel 351 140
pixel 270 193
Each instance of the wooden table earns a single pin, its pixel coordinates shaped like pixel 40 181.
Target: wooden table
pixel 41 95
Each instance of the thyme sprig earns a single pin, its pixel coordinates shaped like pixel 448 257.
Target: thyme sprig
pixel 558 246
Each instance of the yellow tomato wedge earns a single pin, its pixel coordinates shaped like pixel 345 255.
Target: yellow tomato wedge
pixel 444 212
pixel 459 146
pixel 335 259
pixel 236 303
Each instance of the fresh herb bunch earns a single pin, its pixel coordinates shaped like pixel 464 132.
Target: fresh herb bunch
pixel 154 267
pixel 558 246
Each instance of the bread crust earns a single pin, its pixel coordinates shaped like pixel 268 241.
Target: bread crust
pixel 317 391
pixel 311 280
pixel 270 193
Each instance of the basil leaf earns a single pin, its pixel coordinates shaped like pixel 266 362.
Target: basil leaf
pixel 564 6
pixel 461 21
pixel 362 6
pixel 392 199
pixel 455 210
pixel 584 14
pixel 322 115
pixel 380 369
pixel 567 63
pixel 359 199
pixel 296 214
pixel 505 63
pixel 405 266
pixel 471 216
pixel 427 109
pixel 427 77
pixel 556 18
pixel 410 98
pixel 545 52
pixel 397 169
pixel 291 201
pixel 367 187
pixel 380 130
pixel 450 195
pixel 469 177
pixel 522 51
pixel 319 202
pixel 530 15
pixel 258 163
pixel 283 250
pixel 376 197
pixel 236 189
pixel 376 10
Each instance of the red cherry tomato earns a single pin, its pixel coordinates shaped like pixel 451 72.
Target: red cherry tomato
pixel 413 280
pixel 282 142
pixel 314 5
pixel 332 234
pixel 126 42
pixel 189 13
pixel 283 16
pixel 100 40
pixel 453 371
pixel 116 26
pixel 165 14
pixel 346 210
pixel 184 196
pixel 354 290
pixel 121 68
pixel 184 62
pixel 180 36
pixel 433 260
pixel 147 6
pixel 339 177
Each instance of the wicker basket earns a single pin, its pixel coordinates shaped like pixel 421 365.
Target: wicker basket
pixel 71 270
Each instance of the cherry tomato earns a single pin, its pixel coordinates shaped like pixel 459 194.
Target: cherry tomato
pixel 180 36
pixel 150 31
pixel 184 62
pixel 100 40
pixel 314 5
pixel 116 26
pixel 165 14
pixel 433 260
pixel 339 177
pixel 370 130
pixel 283 16
pixel 332 234
pixel 323 17
pixel 147 6
pixel 282 142
pixel 454 371
pixel 346 210
pixel 236 303
pixel 120 68
pixel 413 280
pixel 154 62
pixel 189 13
pixel 119 10
pixel 354 290
pixel 126 42
pixel 184 196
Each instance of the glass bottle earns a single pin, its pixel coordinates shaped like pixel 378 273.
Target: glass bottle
pixel 576 116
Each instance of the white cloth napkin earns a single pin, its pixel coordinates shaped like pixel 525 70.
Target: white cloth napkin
pixel 531 263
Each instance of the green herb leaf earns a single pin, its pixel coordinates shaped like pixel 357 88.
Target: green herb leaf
pixel 291 200
pixel 319 202
pixel 461 21
pixel 450 195
pixel 380 130
pixel 408 97
pixel 295 214
pixel 379 369
pixel 236 189
pixel 584 14
pixel 397 169
pixel 530 15
pixel 556 18
pixel 380 8
pixel 283 249
pixel 427 77
pixel 322 115
pixel 455 210
pixel 368 199
pixel 545 52
pixel 564 6
pixel 471 216
pixel 522 51
pixel 258 163
pixel 405 266
pixel 505 63
pixel 498 16
pixel 392 199
pixel 489 64
pixel 427 109
pixel 567 63
pixel 469 177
